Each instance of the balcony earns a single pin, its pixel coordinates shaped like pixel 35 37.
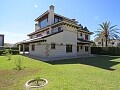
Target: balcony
pixel 56 29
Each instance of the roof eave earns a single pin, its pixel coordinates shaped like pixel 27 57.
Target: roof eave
pixel 86 31
pixel 42 15
pixel 64 21
pixel 65 18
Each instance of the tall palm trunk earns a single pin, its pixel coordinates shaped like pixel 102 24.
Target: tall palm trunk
pixel 106 37
pixel 102 42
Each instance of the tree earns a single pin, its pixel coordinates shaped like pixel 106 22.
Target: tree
pixel 37 79
pixel 8 54
pixel 107 32
pixel 18 63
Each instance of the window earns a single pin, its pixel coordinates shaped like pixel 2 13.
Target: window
pixel 80 34
pixel 43 23
pixel 99 42
pixel 86 48
pixel 81 47
pixel 56 29
pixel 57 20
pixel 86 37
pixel 39 35
pixel 47 32
pixel 52 46
pixel 60 20
pixel 59 28
pixel 68 48
pixel 31 37
pixel 77 48
pixel 33 47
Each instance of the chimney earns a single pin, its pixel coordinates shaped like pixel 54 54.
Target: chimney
pixel 36 27
pixel 51 15
pixel 51 7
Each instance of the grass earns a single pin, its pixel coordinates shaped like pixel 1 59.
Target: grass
pixel 95 73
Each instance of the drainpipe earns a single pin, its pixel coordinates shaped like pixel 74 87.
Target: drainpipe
pixel 89 49
pixel 19 48
pixel 23 49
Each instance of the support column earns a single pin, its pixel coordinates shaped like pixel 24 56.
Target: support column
pixel 19 48
pixel 89 50
pixel 23 48
pixel 50 29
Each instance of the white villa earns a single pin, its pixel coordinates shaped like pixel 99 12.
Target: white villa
pixel 111 42
pixel 57 36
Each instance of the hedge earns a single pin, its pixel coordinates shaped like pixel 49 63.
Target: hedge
pixel 106 50
pixel 13 48
pixel 14 52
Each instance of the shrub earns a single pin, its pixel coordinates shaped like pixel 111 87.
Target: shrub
pixel 106 50
pixel 14 52
pixel 37 80
pixel 1 52
pixel 18 63
pixel 8 54
pixel 12 48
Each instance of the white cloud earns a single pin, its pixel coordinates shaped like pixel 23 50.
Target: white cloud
pixel 13 37
pixel 12 34
pixel 96 18
pixel 36 6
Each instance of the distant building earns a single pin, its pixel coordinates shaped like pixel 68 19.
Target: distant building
pixel 1 40
pixel 111 42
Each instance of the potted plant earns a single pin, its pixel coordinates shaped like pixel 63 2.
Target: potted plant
pixel 36 83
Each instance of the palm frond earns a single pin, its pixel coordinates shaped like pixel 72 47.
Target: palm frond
pixel 107 32
pixel 97 35
pixel 101 26
pixel 97 31
pixel 112 27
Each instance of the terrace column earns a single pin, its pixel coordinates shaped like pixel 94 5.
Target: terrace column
pixel 89 49
pixel 23 48
pixel 19 47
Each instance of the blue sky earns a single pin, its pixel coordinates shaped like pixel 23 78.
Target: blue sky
pixel 17 16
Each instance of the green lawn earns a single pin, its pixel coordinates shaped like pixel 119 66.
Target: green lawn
pixel 95 73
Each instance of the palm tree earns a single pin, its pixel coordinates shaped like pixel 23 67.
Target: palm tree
pixel 107 32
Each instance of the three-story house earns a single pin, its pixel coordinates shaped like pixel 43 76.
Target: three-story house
pixel 57 36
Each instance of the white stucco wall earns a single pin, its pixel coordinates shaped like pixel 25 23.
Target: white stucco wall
pixel 60 39
pixel 44 49
pixel 68 36
pixel 57 38
pixel 39 50
pixel 82 51
pixel 83 35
